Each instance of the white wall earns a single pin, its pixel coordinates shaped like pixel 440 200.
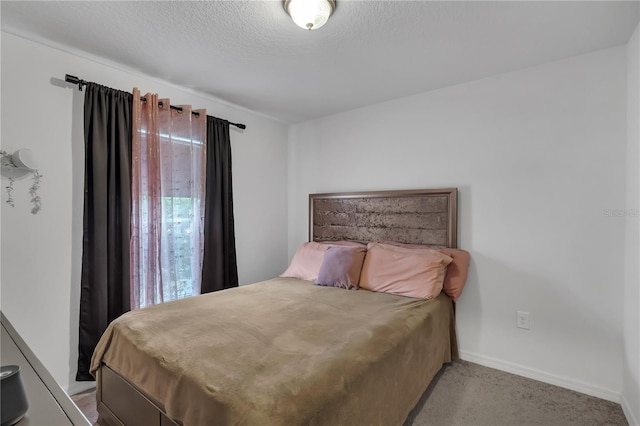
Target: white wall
pixel 538 156
pixel 41 254
pixel 631 365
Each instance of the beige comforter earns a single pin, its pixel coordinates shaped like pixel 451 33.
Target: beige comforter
pixel 283 352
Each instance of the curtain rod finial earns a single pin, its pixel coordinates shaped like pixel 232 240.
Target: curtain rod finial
pixel 75 80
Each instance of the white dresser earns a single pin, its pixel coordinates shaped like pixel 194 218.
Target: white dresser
pixel 49 405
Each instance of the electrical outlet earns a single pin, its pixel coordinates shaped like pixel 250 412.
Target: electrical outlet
pixel 522 320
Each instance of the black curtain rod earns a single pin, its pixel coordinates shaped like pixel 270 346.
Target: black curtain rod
pixel 80 82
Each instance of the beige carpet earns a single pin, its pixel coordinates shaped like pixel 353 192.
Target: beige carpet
pixel 464 393
pixel 467 394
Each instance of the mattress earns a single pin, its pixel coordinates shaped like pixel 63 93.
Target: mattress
pixel 283 352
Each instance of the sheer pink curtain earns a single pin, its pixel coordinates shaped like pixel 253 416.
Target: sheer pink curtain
pixel 168 193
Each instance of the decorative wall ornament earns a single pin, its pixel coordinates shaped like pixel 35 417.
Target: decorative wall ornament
pixel 16 166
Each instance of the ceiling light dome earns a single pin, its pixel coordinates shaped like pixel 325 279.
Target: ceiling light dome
pixel 310 14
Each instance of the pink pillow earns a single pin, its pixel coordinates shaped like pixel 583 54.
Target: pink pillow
pixel 456 275
pixel 306 262
pixel 341 267
pixel 405 272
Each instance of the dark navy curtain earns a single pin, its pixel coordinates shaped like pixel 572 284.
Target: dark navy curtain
pixel 219 267
pixel 105 290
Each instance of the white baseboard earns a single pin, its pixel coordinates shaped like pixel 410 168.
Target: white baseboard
pixel 78 387
pixel 542 376
pixel 626 409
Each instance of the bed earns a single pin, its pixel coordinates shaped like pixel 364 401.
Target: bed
pixel 286 351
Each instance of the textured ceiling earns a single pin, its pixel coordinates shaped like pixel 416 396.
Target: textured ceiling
pixel 251 54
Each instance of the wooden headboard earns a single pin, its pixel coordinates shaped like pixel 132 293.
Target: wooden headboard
pixel 421 216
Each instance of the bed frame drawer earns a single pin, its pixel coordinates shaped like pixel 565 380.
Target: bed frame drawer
pixel 120 397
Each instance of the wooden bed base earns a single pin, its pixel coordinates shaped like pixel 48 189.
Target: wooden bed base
pixel 115 395
pixel 121 403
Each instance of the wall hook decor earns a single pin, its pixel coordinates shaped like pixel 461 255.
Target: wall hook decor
pixel 16 166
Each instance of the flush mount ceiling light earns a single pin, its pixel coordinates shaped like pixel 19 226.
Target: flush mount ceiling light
pixel 310 14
